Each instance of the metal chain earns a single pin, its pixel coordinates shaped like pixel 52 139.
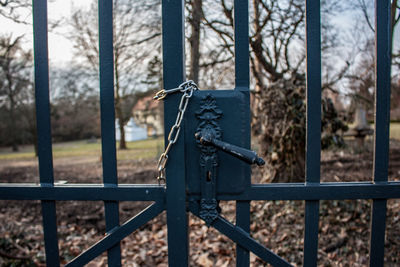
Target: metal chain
pixel 187 88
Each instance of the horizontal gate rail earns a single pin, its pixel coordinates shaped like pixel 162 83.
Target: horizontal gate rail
pixel 118 233
pixel 126 192
pixel 89 192
pixel 323 191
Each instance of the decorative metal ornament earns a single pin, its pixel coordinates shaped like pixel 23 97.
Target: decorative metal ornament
pixel 208 116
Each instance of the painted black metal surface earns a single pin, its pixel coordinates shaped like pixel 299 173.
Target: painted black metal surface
pixel 199 173
pixel 173 40
pixel 381 129
pixel 247 155
pixel 242 83
pixel 313 134
pixel 45 153
pixel 233 112
pixel 107 114
pixel 208 116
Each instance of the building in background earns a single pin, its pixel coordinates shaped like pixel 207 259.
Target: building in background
pixel 132 131
pixel 149 115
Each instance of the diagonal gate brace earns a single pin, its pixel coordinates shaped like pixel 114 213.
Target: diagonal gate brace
pixel 242 238
pixel 117 234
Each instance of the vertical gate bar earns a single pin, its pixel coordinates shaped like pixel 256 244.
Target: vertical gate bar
pixel 243 221
pixel 242 81
pixel 173 40
pixel 109 158
pixel 313 139
pixel 241 20
pixel 382 120
pixel 45 154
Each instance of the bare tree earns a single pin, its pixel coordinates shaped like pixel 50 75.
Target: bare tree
pixel 209 63
pixel 396 61
pixel 11 9
pixel 395 19
pixel 75 106
pixel 15 80
pixel 362 78
pixel 366 8
pixel 136 39
pixel 277 64
pixel 195 8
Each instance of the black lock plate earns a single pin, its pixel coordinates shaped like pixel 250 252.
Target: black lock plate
pixel 233 175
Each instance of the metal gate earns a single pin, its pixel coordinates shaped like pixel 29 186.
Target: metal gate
pixel 200 193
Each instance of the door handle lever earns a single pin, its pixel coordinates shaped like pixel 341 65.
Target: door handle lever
pixel 241 153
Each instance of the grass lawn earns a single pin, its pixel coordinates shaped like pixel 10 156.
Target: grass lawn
pixel 144 149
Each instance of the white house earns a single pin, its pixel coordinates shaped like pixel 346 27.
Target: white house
pixel 149 115
pixel 132 131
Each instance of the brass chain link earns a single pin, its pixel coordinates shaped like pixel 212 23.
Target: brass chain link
pixel 187 88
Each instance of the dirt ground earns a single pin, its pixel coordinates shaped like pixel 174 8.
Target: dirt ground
pixel 344 225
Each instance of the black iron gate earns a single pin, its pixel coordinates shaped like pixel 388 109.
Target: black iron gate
pixel 211 117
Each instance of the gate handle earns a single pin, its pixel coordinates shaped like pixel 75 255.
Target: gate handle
pixel 241 153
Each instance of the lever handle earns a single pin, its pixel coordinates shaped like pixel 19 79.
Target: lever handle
pixel 241 153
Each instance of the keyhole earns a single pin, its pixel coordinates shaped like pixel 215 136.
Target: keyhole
pixel 208 178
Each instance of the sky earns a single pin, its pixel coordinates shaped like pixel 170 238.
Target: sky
pixel 60 48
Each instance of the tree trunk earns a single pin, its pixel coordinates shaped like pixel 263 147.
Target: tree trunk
pixel 118 108
pixel 197 13
pixel 33 129
pixel 13 127
pixel 121 122
pixel 35 145
pixel 280 130
pixel 278 125
pixel 122 142
pixel 13 130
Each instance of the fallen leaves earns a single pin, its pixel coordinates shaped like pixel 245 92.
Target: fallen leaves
pixel 279 225
pixel 204 261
